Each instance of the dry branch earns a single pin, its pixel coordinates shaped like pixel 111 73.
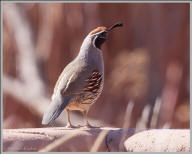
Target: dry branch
pixel 28 86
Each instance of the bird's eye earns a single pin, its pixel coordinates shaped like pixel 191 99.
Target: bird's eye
pixel 103 34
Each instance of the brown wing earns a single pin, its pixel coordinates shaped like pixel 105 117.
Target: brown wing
pixel 93 82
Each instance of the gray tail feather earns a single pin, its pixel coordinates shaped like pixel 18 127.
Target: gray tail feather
pixel 54 110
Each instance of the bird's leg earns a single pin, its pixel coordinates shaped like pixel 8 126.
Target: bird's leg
pixel 69 124
pixel 88 125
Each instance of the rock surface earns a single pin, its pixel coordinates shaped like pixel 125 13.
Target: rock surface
pixel 101 139
pixel 162 140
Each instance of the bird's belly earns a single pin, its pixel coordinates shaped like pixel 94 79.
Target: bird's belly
pixel 75 105
pixel 80 104
pixel 84 101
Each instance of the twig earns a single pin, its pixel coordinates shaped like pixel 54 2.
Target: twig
pixel 99 140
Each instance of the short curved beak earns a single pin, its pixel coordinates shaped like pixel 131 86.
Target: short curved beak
pixel 107 37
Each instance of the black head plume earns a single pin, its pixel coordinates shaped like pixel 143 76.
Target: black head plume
pixel 115 26
pixel 102 37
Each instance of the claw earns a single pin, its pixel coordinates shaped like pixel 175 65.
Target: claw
pixel 90 126
pixel 72 126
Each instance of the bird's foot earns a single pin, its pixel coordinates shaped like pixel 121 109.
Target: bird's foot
pixel 72 126
pixel 90 126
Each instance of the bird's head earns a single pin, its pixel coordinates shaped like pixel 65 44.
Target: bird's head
pixel 101 34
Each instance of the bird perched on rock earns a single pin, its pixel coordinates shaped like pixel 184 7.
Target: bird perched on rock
pixel 81 82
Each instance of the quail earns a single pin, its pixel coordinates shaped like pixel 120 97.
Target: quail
pixel 81 82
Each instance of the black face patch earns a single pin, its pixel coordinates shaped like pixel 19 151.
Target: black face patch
pixel 99 40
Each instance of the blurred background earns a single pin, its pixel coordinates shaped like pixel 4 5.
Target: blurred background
pixel 146 62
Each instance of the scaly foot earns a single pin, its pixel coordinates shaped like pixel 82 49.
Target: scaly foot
pixel 72 126
pixel 90 126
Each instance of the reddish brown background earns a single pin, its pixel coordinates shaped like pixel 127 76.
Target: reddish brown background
pixel 146 59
